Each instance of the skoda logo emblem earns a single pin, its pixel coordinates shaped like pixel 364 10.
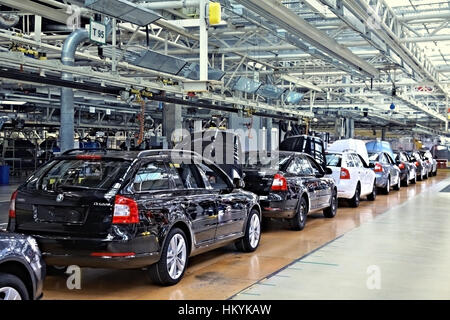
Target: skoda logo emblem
pixel 59 197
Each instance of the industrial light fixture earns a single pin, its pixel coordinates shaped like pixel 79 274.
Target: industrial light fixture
pixel 124 10
pixel 13 103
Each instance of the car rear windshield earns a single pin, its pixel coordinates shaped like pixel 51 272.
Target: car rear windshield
pixel 333 159
pixel 78 174
pixel 254 160
pixel 373 157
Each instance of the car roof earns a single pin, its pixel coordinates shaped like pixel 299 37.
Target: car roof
pixel 127 155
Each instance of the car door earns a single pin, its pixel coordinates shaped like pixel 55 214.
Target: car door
pixel 323 187
pixel 155 193
pixel 367 175
pixel 301 168
pixel 231 205
pixel 198 200
pixel 394 170
pixel 360 173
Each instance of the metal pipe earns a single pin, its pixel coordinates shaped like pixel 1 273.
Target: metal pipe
pixel 67 111
pixel 170 4
pixel 444 37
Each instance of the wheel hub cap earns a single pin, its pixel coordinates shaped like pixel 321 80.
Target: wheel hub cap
pixel 254 231
pixel 176 256
pixel 8 293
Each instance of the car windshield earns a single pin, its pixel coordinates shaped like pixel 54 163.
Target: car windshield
pixel 272 160
pixel 333 159
pixel 78 174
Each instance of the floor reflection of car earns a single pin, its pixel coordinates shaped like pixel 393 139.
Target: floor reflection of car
pixel 386 171
pixel 431 162
pixel 421 165
pixel 354 178
pixel 115 209
pixel 408 170
pixel 290 185
pixel 22 270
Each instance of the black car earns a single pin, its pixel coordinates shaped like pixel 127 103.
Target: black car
pixel 116 209
pixel 407 168
pixel 290 185
pixel 22 270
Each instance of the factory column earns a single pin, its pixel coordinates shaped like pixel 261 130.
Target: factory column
pixel 172 121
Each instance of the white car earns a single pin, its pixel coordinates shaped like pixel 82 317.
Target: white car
pixel 353 176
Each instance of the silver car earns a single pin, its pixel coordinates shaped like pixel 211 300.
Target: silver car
pixel 431 163
pixel 387 173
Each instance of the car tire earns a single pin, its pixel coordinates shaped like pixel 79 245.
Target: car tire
pixel 354 202
pixel 330 212
pixel 405 182
pixel 387 189
pixel 252 236
pixel 298 222
pixel 373 195
pixel 56 270
pixel 265 223
pixel 12 288
pixel 398 185
pixel 167 271
pixel 420 178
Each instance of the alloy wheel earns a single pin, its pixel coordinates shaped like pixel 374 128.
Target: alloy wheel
pixel 9 293
pixel 176 256
pixel 254 231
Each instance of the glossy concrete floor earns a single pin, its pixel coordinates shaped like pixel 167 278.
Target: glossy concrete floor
pixel 402 254
pixel 223 273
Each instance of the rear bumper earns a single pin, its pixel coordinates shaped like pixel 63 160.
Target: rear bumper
pixel 278 209
pixel 404 175
pixel 130 262
pixel 108 254
pixel 346 189
pixel 380 180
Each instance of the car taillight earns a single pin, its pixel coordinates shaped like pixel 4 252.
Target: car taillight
pixel 401 166
pixel 125 211
pixel 345 174
pixel 378 168
pixel 279 183
pixel 12 205
pixel 417 164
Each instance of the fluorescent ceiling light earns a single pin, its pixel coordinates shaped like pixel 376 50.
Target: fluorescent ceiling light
pixel 13 103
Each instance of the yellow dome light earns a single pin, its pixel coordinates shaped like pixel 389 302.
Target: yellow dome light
pixel 215 13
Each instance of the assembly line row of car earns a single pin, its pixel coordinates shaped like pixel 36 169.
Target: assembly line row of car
pixel 154 209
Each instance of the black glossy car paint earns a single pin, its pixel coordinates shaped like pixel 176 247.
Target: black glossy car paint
pixel 209 217
pixel 20 256
pixel 282 204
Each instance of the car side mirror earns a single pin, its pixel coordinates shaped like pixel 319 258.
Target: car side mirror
pixel 238 183
pixel 328 171
pixel 371 165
